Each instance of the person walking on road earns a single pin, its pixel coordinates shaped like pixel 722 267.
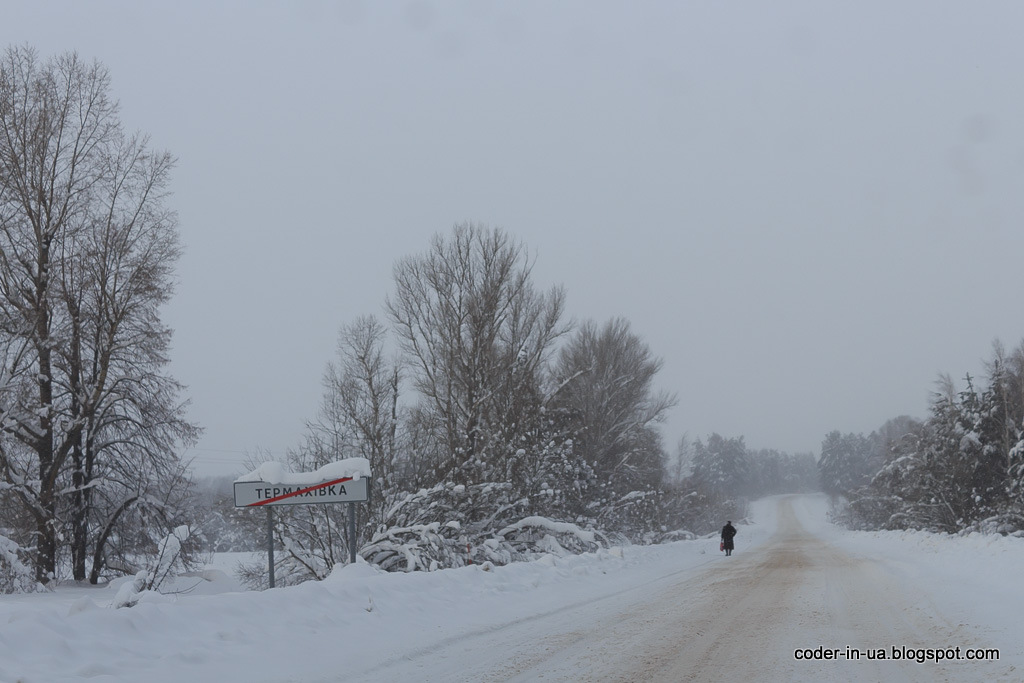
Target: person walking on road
pixel 728 532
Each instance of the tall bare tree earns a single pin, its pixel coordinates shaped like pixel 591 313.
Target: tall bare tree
pixel 361 396
pixel 478 335
pixel 88 247
pixel 359 413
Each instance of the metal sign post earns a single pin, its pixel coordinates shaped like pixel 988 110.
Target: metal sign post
pixel 270 544
pixel 352 533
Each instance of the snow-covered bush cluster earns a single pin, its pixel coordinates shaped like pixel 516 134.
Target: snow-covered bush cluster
pixel 431 529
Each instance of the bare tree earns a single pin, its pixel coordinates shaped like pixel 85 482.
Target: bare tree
pixel 478 335
pixel 608 375
pixel 88 248
pixel 361 396
pixel 679 465
pixel 359 414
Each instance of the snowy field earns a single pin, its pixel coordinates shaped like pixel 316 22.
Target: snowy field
pixel 365 625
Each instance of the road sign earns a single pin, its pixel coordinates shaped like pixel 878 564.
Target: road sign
pixel 343 490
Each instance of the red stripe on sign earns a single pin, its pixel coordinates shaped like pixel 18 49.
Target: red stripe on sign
pixel 299 492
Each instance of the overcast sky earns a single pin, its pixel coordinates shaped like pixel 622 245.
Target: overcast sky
pixel 807 209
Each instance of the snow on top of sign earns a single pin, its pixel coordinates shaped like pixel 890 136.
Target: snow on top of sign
pixel 276 473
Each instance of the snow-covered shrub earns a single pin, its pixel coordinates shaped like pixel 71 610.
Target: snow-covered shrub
pixel 310 540
pixel 1008 523
pixel 16 574
pixel 443 526
pixel 538 536
pixel 293 565
pixel 454 525
pixel 173 557
pixel 417 547
pixel 958 470
pixel 673 535
pixel 669 513
pixel 868 510
pixel 170 557
pixel 633 514
pixel 130 591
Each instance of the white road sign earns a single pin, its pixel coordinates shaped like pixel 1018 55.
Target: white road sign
pixel 344 490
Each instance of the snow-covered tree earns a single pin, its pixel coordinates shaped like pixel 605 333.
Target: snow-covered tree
pixel 606 377
pixel 957 469
pixel 844 462
pixel 477 334
pixel 933 482
pixel 722 467
pixel 1006 415
pixel 87 248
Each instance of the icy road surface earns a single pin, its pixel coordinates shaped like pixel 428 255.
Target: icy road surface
pixel 739 618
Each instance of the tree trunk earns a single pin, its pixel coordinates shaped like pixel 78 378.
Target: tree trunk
pixel 101 542
pixel 46 555
pixel 79 513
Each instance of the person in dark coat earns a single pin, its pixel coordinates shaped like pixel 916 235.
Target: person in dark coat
pixel 728 532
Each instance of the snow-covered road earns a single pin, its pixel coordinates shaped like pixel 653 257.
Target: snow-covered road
pixel 737 618
pixel 675 612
